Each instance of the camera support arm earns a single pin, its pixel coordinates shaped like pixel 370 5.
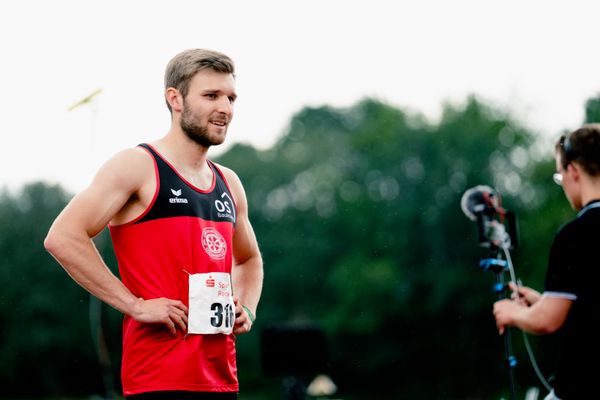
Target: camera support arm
pixel 498 266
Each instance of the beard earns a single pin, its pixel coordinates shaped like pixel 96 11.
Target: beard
pixel 196 132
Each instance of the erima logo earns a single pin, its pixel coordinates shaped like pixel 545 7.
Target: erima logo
pixel 176 199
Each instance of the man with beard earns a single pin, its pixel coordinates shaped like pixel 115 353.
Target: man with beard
pixel 189 263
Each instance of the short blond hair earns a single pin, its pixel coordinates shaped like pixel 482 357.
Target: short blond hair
pixel 185 65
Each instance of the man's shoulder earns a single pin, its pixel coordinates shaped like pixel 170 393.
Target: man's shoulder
pixel 577 230
pixel 567 229
pixel 226 171
pixel 132 164
pixel 136 154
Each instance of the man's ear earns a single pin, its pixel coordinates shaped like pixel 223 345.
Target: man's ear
pixel 174 98
pixel 575 170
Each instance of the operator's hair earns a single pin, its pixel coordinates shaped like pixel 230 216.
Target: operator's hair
pixel 182 68
pixel 582 146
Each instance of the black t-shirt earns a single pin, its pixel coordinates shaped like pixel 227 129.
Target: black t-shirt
pixel 574 273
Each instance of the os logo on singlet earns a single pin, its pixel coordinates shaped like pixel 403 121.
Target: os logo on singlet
pixel 213 243
pixel 224 207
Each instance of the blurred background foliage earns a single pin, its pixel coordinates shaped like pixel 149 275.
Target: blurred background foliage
pixel 357 212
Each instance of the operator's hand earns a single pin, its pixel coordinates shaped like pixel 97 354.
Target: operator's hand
pixel 243 323
pixel 505 312
pixel 524 294
pixel 171 313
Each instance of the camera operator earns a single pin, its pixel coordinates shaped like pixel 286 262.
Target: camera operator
pixel 570 303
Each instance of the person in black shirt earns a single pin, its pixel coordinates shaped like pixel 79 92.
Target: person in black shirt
pixel 569 307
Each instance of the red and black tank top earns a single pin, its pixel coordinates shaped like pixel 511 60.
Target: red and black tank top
pixel 185 230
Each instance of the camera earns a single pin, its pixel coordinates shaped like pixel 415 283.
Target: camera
pixel 496 227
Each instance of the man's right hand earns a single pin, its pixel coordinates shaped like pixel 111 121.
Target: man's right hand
pixel 524 294
pixel 172 313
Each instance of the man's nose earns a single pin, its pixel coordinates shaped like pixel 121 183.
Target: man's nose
pixel 225 105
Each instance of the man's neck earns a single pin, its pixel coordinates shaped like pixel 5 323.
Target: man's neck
pixel 187 152
pixel 590 190
pixel 187 157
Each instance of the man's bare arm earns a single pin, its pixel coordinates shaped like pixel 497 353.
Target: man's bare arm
pixel 69 240
pixel 247 272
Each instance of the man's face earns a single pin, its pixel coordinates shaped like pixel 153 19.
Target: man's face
pixel 569 185
pixel 208 107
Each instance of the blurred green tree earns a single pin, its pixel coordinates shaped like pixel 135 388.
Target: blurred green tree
pixel 358 215
pixel 592 109
pixel 45 336
pixel 357 211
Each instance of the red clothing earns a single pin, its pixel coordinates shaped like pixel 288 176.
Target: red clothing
pixel 156 253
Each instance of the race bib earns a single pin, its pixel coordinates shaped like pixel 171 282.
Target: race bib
pixel 211 308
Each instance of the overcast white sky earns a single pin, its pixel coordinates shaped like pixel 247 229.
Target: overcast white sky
pixel 540 59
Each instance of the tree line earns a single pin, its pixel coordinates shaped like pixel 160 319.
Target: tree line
pixel 357 212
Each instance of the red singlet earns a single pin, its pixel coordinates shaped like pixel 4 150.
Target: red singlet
pixel 184 231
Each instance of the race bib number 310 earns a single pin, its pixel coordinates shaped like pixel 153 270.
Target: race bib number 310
pixel 211 308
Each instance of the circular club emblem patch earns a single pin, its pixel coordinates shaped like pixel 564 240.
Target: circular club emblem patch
pixel 213 243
